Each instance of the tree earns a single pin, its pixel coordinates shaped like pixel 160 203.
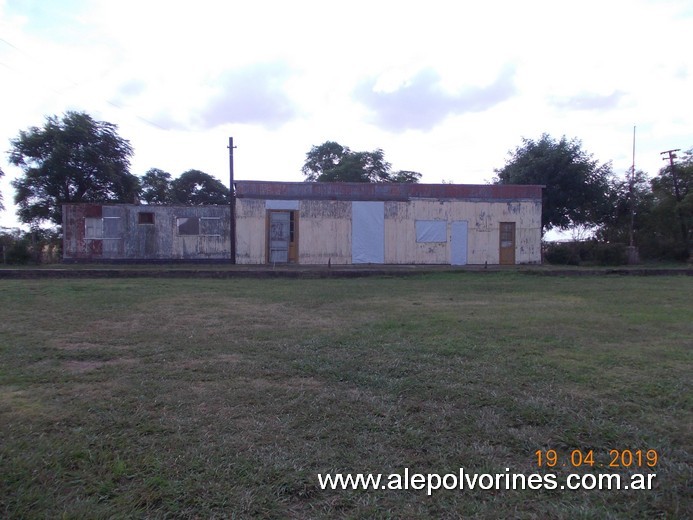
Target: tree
pixel 623 198
pixel 199 188
pixel 73 159
pixel 673 204
pixel 2 206
pixel 332 162
pixel 156 187
pixel 576 186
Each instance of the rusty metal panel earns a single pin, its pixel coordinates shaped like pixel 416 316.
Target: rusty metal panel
pixel 124 234
pixel 92 210
pixel 75 243
pixel 355 191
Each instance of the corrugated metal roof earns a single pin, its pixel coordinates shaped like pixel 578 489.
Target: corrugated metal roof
pixel 382 191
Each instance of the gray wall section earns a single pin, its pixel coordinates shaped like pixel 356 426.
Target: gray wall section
pixel 368 232
pixel 128 236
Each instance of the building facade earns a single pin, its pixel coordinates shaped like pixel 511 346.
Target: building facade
pixel 320 223
pixel 134 232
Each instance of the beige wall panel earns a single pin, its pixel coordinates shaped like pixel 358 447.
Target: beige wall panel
pixel 400 234
pixel 250 231
pixel 325 209
pixel 423 209
pixel 324 232
pixel 250 240
pixel 250 208
pixel 323 240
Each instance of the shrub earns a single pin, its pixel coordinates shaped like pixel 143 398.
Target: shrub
pixel 585 252
pixel 18 253
pixel 561 253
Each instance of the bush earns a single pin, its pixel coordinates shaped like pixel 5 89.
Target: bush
pixel 610 254
pixel 561 253
pixel 585 252
pixel 17 253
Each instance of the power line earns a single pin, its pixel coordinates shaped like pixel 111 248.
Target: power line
pixel 75 84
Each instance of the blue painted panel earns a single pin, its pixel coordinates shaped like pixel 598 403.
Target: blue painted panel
pixel 458 243
pixel 368 232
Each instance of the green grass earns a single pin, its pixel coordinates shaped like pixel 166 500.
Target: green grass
pixel 226 398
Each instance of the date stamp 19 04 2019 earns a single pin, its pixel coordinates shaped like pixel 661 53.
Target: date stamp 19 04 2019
pixel 616 459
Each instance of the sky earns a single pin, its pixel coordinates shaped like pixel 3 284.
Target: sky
pixel 444 88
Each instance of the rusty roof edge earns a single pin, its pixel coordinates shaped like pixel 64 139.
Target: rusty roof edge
pixel 384 191
pixel 304 183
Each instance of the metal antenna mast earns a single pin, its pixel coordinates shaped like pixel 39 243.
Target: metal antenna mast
pixel 232 202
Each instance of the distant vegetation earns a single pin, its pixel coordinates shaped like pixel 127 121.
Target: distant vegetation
pixel 75 158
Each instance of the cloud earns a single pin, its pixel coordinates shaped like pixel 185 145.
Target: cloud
pixel 251 95
pixel 422 103
pixel 587 101
pixel 128 90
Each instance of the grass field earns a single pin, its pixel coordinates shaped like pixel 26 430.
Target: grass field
pixel 227 398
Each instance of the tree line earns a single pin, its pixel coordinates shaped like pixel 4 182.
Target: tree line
pixel 75 158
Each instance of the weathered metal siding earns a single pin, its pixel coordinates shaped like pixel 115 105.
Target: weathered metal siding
pixel 124 237
pixel 324 232
pixel 251 231
pixel 324 228
pixel 358 191
pixel 75 245
pixel 483 220
pixel 324 224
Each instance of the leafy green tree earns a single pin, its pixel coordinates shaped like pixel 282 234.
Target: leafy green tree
pixel 332 162
pixel 616 223
pixel 70 159
pixel 199 188
pixel 576 185
pixel 672 213
pixel 156 187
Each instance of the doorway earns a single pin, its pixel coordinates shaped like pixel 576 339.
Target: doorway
pixel 507 243
pixel 282 237
pixel 458 242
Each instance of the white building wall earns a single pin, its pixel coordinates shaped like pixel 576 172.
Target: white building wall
pixel 324 231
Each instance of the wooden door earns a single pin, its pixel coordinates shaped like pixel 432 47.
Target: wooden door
pixel 507 243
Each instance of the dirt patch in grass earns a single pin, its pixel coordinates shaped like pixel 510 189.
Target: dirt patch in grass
pixel 75 366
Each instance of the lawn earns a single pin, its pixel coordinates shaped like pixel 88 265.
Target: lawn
pixel 226 398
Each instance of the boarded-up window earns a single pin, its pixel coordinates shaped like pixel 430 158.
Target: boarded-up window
pixel 106 228
pixel 367 232
pixel 210 226
pixel 111 227
pixel 93 227
pixel 188 225
pixel 431 231
pixel 145 218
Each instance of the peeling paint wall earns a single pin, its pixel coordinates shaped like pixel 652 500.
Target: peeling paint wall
pixel 324 232
pixel 142 232
pixel 324 228
pixel 483 219
pixel 251 231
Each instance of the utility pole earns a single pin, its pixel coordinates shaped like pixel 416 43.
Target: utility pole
pixel 684 228
pixel 232 202
pixel 672 156
pixel 631 250
pixel 631 195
